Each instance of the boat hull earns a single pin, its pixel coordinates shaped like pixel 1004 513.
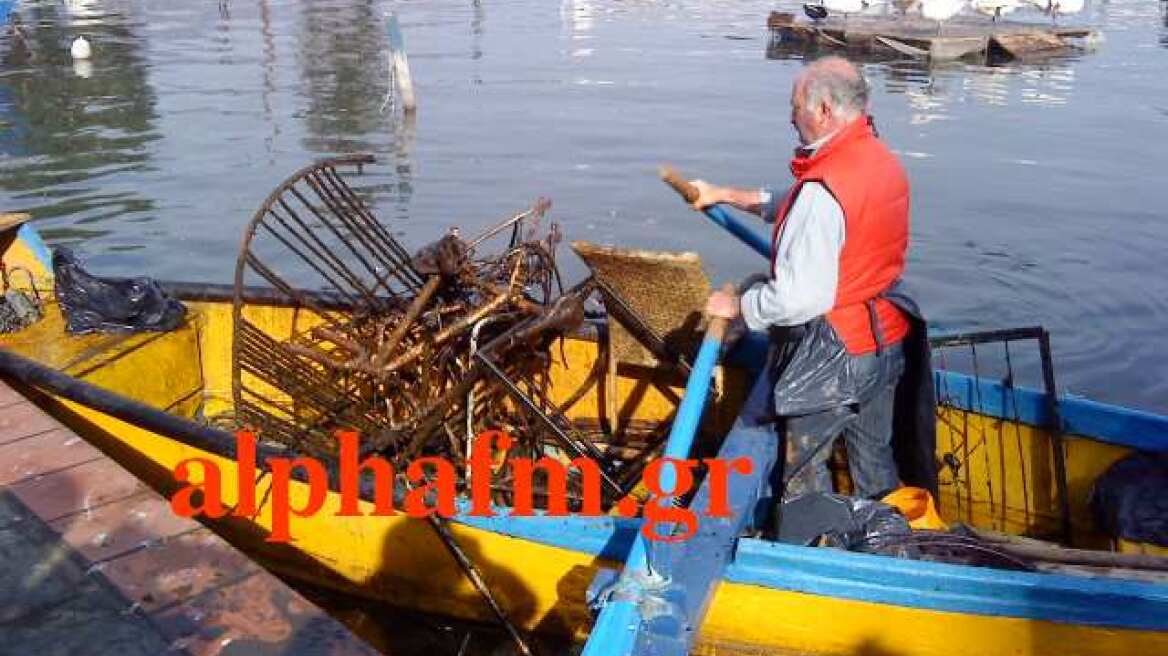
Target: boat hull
pixel 774 598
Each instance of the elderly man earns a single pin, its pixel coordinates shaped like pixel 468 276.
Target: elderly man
pixel 838 248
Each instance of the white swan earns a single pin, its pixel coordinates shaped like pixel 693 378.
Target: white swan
pixel 1058 8
pixel 81 48
pixel 994 8
pixel 941 10
pixel 845 7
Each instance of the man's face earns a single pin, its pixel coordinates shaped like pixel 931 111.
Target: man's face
pixel 810 122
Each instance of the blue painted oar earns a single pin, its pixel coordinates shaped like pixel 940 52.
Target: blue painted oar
pixel 615 631
pixel 759 243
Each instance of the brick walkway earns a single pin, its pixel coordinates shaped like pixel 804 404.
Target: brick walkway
pixel 94 562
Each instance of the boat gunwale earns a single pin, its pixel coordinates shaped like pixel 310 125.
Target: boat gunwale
pixel 874 578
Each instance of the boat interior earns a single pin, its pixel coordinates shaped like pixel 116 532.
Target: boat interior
pixel 997 473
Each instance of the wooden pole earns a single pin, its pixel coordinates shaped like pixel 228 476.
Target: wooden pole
pixel 758 243
pixel 400 65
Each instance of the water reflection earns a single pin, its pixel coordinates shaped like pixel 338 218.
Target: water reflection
pixel 83 13
pixel 1164 18
pixel 578 17
pixel 344 65
pixel 74 138
pixel 268 86
pixel 477 21
pixel 344 85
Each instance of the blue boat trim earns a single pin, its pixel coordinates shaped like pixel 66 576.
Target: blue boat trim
pixel 1102 422
pixel 1106 423
pixel 879 579
pixel 33 240
pixel 951 588
pixel 694 568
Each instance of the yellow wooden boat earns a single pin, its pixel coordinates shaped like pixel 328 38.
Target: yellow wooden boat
pixel 137 397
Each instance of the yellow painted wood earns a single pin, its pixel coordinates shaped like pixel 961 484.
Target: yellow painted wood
pixel 1145 548
pixel 159 369
pixel 1006 476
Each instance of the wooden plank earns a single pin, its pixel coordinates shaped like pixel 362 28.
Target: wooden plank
pixel 942 49
pixel 901 47
pixel 75 490
pixel 11 220
pixel 958 37
pixel 1030 44
pixel 119 527
pixel 163 572
pixel 50 605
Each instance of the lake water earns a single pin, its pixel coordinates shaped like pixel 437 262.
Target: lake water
pixel 1039 191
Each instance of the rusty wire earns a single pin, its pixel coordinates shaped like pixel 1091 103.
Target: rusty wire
pixel 379 341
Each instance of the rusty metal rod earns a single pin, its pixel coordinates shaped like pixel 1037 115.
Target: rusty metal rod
pixel 539 208
pixel 407 321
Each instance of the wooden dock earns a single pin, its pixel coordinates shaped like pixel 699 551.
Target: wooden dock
pixel 96 563
pixel 967 37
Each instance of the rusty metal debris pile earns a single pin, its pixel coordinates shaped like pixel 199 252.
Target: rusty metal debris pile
pixel 420 351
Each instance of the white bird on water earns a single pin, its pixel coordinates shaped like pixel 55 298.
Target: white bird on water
pixel 941 10
pixel 81 48
pixel 994 8
pixel 1058 8
pixel 845 7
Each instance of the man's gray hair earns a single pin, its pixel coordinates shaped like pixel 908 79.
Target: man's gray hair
pixel 837 82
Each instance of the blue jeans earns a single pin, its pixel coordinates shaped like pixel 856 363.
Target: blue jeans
pixel 867 432
pixel 866 427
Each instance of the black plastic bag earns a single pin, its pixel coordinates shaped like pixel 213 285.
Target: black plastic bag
pixel 839 521
pixel 818 374
pixel 91 304
pixel 1130 499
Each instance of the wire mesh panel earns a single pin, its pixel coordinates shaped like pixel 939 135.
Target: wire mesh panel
pixel 316 242
pixel 997 469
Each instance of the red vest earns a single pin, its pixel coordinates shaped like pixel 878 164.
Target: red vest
pixel 870 185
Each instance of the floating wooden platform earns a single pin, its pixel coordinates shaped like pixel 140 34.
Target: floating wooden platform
pixel 960 37
pixel 94 562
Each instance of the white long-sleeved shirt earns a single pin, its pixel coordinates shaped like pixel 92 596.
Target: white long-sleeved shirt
pixel 806 271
